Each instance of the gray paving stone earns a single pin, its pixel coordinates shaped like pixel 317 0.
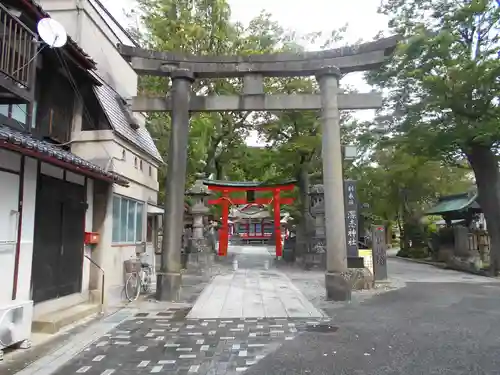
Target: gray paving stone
pixel 215 351
pixel 239 319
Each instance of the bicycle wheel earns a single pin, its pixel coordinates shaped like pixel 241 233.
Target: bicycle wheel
pixel 132 287
pixel 146 280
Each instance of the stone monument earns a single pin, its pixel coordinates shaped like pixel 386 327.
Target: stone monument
pixel 379 249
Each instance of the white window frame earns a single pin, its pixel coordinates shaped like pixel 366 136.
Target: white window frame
pixel 118 227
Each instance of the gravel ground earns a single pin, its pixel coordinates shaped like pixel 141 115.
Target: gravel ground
pixel 433 322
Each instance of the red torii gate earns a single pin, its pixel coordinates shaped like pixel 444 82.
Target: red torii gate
pixel 228 187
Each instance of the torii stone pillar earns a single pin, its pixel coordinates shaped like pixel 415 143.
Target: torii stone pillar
pixel 252 70
pixel 169 278
pixel 337 287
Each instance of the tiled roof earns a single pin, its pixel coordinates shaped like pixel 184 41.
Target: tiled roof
pixel 27 142
pixel 454 203
pixel 120 118
pixel 39 13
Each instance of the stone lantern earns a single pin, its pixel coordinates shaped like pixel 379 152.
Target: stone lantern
pixel 317 209
pixel 316 254
pixel 200 255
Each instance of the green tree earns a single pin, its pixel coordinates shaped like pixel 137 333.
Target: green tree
pixel 398 186
pixel 202 27
pixel 443 87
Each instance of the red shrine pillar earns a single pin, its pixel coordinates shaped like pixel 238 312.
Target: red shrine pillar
pixel 224 229
pixel 277 222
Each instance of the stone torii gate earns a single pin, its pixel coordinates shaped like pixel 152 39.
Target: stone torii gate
pixel 327 66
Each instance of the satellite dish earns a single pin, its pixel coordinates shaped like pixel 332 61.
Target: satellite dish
pixel 52 32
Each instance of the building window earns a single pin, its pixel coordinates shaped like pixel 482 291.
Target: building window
pixel 19 113
pixel 16 112
pixel 124 155
pixel 4 110
pixel 127 220
pixel 135 162
pixel 150 171
pixel 140 165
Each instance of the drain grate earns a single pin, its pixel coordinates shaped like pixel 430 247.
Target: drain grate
pixel 181 314
pixel 321 328
pixel 164 313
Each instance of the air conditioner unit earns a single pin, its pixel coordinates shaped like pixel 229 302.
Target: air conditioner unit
pixel 15 323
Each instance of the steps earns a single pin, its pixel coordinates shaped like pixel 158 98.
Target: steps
pixel 55 321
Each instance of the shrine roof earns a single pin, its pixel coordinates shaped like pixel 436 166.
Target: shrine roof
pixel 248 184
pixel 454 203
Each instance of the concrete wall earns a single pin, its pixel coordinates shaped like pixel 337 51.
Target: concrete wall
pixel 67 14
pixel 27 229
pixel 119 156
pixel 91 32
pixel 87 250
pixel 104 254
pixel 9 219
pixel 9 194
pixel 142 187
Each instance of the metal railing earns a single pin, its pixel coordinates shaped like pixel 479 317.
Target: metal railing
pixel 102 280
pixel 18 49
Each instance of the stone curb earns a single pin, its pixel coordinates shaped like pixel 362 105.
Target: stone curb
pixel 444 266
pixel 51 362
pixel 422 261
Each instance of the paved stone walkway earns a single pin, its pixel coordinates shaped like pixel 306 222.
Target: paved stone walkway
pixel 259 291
pixel 253 294
pixel 151 343
pixel 240 317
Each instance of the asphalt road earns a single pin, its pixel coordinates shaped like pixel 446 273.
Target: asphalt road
pixel 440 322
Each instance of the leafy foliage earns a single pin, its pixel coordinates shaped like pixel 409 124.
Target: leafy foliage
pixel 443 86
pixel 203 27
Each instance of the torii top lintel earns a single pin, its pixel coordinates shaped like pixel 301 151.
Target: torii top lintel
pixel 362 57
pixel 232 186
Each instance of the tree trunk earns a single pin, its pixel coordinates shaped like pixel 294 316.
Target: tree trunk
pixel 485 165
pixel 219 170
pixel 402 238
pixel 388 233
pixel 304 226
pixel 210 161
pixel 303 185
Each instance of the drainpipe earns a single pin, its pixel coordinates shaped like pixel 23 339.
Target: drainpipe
pixel 110 162
pixel 79 12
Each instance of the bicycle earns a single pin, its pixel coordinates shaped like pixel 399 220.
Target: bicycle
pixel 138 281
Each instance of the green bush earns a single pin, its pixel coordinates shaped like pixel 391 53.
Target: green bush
pixel 414 253
pixel 403 253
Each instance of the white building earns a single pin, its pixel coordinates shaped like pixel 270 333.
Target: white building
pixel 121 143
pixel 74 164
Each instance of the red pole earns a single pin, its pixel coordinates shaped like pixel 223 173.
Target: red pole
pixel 223 233
pixel 277 223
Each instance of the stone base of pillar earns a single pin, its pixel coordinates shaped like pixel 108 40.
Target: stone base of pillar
pixel 311 260
pixel 360 278
pixel 200 263
pixel 168 287
pixel 338 286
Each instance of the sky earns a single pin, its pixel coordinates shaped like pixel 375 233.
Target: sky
pixel 304 17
